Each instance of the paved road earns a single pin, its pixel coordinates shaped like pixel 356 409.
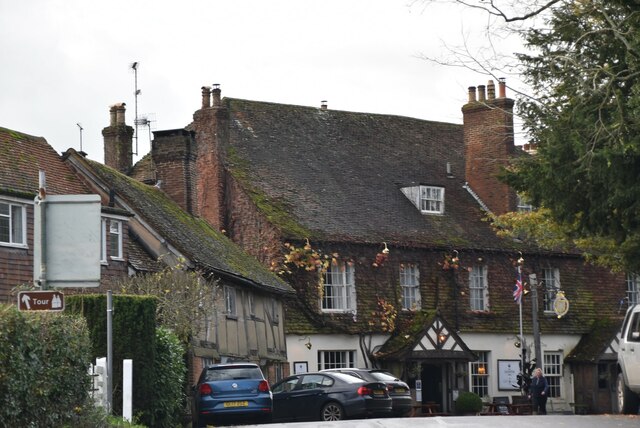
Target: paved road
pixel 551 421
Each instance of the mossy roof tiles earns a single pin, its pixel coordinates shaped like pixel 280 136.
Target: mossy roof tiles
pixel 22 156
pixel 192 236
pixel 337 175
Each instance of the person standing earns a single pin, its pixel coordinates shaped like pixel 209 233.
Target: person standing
pixel 539 391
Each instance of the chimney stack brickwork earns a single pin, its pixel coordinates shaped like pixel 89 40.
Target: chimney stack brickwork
pixel 118 137
pixel 210 132
pixel 174 156
pixel 489 146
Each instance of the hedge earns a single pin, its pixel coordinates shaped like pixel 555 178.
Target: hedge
pixel 44 359
pixel 134 329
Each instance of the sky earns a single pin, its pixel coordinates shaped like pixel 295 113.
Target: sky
pixel 64 62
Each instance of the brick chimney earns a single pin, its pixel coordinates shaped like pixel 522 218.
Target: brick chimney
pixel 489 145
pixel 210 131
pixel 174 156
pixel 118 140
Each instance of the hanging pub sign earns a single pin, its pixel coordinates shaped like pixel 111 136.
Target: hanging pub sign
pixel 560 304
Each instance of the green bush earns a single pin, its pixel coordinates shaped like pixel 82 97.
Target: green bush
pixel 169 380
pixel 134 332
pixel 468 402
pixel 44 360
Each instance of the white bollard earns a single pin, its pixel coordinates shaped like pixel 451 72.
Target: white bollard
pixel 127 389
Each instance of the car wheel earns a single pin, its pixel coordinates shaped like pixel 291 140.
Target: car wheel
pixel 332 411
pixel 628 401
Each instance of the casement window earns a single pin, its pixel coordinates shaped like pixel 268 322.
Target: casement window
pixel 251 304
pixel 553 372
pixel 410 285
pixel 478 288
pixel 339 288
pixel 551 287
pixel 428 199
pixel 230 301
pixel 115 239
pixel 480 374
pixel 336 359
pixel 431 199
pixel 13 224
pixel 633 292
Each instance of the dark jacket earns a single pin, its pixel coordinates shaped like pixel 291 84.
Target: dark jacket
pixel 539 384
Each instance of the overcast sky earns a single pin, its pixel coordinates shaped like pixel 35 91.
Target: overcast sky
pixel 64 62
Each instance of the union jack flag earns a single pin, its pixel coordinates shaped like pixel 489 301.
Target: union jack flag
pixel 517 288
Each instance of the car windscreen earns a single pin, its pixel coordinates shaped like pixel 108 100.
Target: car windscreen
pixel 384 377
pixel 232 373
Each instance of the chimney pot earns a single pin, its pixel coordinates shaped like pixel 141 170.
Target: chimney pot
pixel 481 93
pixel 216 95
pixel 206 97
pixel 472 94
pixel 120 110
pixel 502 88
pixel 112 115
pixel 491 90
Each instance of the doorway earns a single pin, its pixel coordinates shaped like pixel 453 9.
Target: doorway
pixel 431 376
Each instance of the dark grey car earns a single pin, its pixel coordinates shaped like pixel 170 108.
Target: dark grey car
pixel 398 390
pixel 328 397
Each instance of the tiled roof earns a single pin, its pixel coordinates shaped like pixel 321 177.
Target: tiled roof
pixel 591 347
pixel 140 259
pixel 22 156
pixel 337 175
pixel 192 236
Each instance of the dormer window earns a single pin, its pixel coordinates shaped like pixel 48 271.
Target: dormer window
pixel 428 199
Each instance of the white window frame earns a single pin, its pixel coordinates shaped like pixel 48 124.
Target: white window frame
pixel 230 299
pixel 478 288
pixel 119 236
pixel 103 240
pixel 431 200
pixel 22 228
pixel 339 291
pixel 410 285
pixel 633 289
pixel 551 278
pixel 479 380
pixel 328 359
pixel 553 363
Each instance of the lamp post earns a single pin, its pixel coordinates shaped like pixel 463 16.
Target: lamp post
pixel 533 282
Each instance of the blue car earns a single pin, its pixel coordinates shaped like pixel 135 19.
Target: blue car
pixel 229 393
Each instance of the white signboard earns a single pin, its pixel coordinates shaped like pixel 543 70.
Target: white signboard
pixel 508 374
pixel 67 248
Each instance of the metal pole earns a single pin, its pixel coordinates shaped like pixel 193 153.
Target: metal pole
pixel 534 318
pixel 109 351
pixel 42 207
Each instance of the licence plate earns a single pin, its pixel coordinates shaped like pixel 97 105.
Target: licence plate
pixel 400 390
pixel 236 404
pixel 378 392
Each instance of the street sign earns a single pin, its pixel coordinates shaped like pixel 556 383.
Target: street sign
pixel 41 301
